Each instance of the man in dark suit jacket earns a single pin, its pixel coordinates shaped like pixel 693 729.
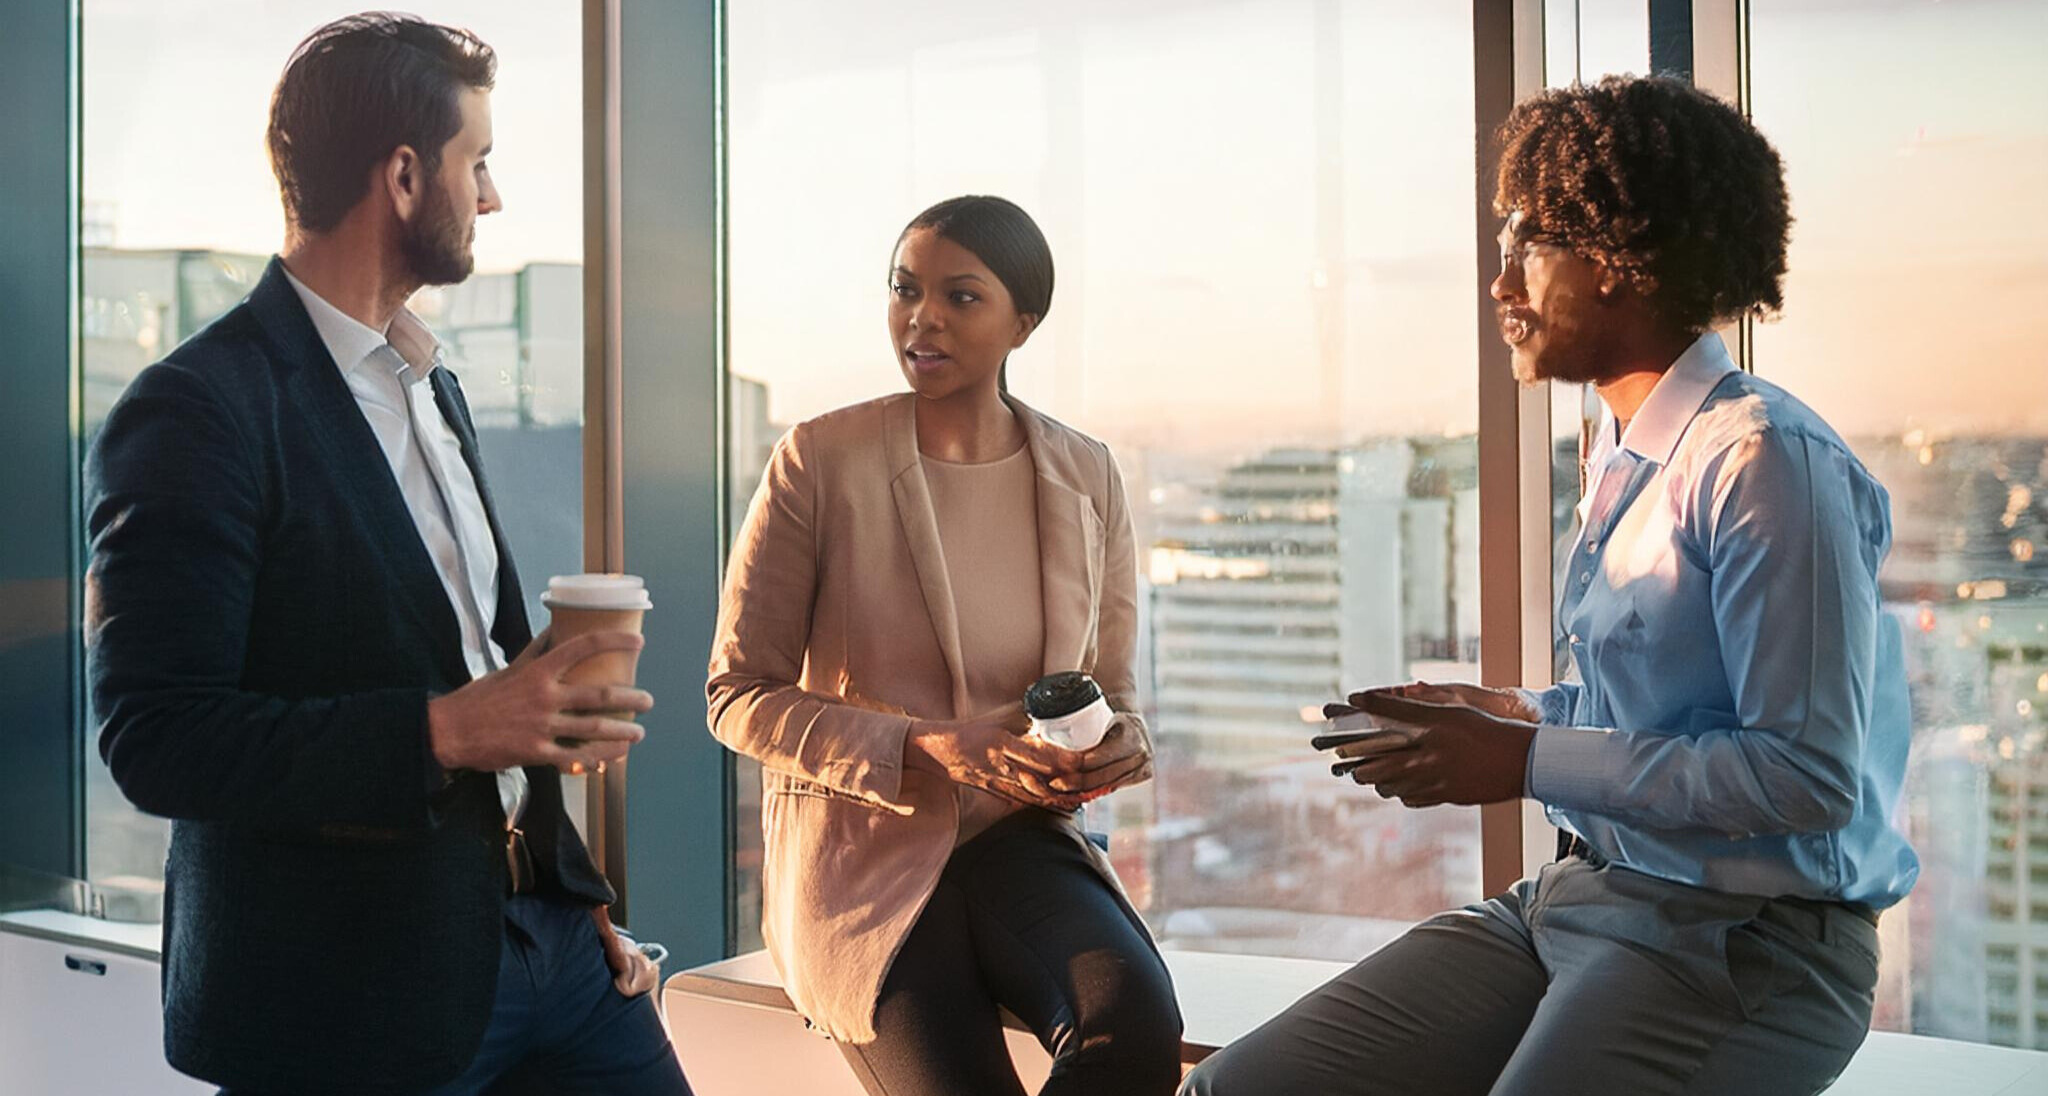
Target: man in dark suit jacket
pixel 300 614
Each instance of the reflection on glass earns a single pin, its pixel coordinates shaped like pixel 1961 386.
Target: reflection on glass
pixel 1917 265
pixel 181 213
pixel 1264 307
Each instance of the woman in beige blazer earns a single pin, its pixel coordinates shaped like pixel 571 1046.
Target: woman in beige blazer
pixel 908 567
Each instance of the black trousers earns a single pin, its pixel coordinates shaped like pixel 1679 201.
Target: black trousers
pixel 1021 920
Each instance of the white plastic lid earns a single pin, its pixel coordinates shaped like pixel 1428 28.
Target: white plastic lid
pixel 597 592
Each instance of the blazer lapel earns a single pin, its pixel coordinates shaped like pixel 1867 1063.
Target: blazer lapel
pixel 913 499
pixel 1069 551
pixel 512 630
pixel 329 412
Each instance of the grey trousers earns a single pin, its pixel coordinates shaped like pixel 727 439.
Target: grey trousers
pixel 1587 979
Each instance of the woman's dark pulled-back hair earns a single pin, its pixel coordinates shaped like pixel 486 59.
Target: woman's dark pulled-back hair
pixel 1670 187
pixel 1004 238
pixel 355 90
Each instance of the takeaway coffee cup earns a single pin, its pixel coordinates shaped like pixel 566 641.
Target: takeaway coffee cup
pixel 1068 709
pixel 581 604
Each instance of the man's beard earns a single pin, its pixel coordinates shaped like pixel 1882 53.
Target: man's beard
pixel 1568 346
pixel 435 244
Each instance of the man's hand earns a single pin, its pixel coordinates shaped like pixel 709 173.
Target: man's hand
pixel 632 972
pixel 1505 703
pixel 1028 770
pixel 1460 753
pixel 525 715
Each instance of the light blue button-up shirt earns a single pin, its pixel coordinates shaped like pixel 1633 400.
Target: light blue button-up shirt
pixel 1741 719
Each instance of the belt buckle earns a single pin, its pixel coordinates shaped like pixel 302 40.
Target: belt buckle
pixel 518 861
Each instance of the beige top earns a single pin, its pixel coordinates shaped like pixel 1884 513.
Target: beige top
pixel 837 627
pixel 988 532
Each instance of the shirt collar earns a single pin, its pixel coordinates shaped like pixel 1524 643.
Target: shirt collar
pixel 1653 434
pixel 352 343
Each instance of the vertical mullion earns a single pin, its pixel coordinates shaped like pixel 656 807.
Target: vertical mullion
pixel 42 775
pixel 1672 37
pixel 601 450
pixel 668 825
pixel 1507 38
pixel 1720 35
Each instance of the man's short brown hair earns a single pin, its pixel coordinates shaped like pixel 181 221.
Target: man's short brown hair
pixel 355 90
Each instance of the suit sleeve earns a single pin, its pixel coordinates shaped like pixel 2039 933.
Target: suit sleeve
pixel 176 514
pixel 756 705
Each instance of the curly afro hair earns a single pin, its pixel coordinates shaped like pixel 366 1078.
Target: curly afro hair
pixel 1666 185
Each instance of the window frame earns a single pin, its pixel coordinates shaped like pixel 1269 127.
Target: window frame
pixel 655 498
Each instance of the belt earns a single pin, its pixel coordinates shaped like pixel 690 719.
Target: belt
pixel 1820 907
pixel 1571 845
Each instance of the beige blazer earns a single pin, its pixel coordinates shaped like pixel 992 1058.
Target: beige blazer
pixel 836 626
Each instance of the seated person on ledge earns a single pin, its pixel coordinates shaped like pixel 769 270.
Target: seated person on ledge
pixel 1727 768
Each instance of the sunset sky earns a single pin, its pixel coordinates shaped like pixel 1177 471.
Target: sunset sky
pixel 1173 151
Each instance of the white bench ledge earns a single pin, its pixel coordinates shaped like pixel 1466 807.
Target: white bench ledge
pixel 143 940
pixel 1222 997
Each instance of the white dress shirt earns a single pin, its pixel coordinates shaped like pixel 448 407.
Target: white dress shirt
pixel 389 373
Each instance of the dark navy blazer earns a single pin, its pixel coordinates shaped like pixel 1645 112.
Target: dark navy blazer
pixel 264 628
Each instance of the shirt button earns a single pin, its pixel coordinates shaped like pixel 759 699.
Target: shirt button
pixel 1585 577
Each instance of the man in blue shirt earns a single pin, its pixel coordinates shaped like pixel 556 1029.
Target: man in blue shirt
pixel 1727 769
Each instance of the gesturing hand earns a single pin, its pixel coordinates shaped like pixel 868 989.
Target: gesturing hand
pixel 1459 754
pixel 1029 770
pixel 1505 703
pixel 525 714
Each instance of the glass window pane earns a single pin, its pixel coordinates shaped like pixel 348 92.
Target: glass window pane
pixel 180 213
pixel 1582 43
pixel 1264 307
pixel 1916 153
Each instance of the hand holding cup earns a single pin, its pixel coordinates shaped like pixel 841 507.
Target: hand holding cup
pixel 530 714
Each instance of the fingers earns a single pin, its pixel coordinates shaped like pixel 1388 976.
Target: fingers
pixel 1380 770
pixel 1123 741
pixel 1409 776
pixel 1376 742
pixel 1402 710
pixel 638 977
pixel 1104 778
pixel 605 698
pixel 1024 788
pixel 558 660
pixel 535 647
pixel 597 728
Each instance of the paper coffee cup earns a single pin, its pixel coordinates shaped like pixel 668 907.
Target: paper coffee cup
pixel 582 604
pixel 1068 709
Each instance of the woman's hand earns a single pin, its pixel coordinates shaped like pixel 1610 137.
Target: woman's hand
pixel 982 753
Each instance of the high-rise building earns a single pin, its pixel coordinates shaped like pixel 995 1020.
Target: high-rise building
pixel 1304 573
pixel 1291 578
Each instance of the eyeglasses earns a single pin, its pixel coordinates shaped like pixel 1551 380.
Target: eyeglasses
pixel 1516 254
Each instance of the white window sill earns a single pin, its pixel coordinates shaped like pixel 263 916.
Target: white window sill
pixel 1225 996
pixel 141 940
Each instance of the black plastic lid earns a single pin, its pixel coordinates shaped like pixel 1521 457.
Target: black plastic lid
pixel 1063 693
